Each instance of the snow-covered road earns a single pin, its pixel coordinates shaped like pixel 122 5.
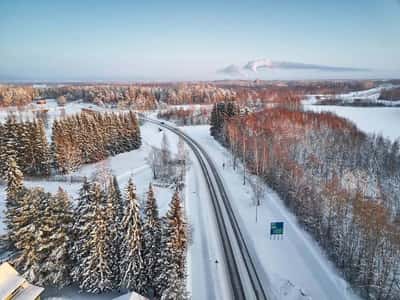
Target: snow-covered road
pixel 207 279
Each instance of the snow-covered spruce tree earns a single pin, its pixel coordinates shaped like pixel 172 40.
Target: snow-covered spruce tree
pixel 83 222
pixel 114 208
pixel 55 241
pixel 30 224
pixel 15 189
pixel 174 243
pixel 97 273
pixel 21 146
pixel 152 243
pixel 134 123
pixel 8 142
pixel 41 150
pixel 119 200
pixel 132 267
pixel 176 289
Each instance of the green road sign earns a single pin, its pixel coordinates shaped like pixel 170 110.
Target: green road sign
pixel 276 228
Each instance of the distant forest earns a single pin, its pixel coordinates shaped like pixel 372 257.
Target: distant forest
pixel 148 96
pixel 390 94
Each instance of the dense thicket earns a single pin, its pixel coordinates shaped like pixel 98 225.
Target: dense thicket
pixel 168 168
pixel 105 243
pixel 134 97
pixel 16 95
pixel 90 137
pixel 186 116
pixel 343 185
pixel 277 89
pixel 220 113
pixel 390 94
pixel 26 143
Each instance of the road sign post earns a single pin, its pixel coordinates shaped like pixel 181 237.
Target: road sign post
pixel 276 230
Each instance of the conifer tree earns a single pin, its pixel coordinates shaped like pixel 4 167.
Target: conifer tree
pixel 83 216
pixel 29 223
pixel 118 199
pixel 55 241
pixel 21 145
pixel 132 267
pixel 152 243
pixel 114 218
pixel 174 243
pixel 97 273
pixel 134 123
pixel 9 142
pixel 14 191
pixel 41 150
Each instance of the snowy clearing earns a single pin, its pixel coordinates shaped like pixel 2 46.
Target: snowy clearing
pixel 374 120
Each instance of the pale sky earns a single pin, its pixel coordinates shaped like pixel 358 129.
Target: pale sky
pixel 191 40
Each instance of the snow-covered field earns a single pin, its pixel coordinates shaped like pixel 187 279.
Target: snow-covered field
pixel 374 120
pixel 370 95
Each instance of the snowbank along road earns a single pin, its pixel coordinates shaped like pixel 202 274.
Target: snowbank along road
pixel 244 280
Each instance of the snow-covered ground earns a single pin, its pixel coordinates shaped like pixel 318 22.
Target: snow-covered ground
pixel 374 120
pixel 295 265
pixel 370 95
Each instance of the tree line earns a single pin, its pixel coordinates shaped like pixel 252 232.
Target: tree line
pixel 78 139
pixel 105 242
pixel 123 96
pixel 16 95
pixel 391 94
pixel 26 142
pixel 141 97
pixel 342 184
pixel 89 137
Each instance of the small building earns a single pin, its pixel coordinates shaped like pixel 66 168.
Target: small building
pixel 131 296
pixel 14 287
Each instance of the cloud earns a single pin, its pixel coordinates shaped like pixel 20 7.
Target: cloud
pixel 255 65
pixel 232 70
pixel 262 64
